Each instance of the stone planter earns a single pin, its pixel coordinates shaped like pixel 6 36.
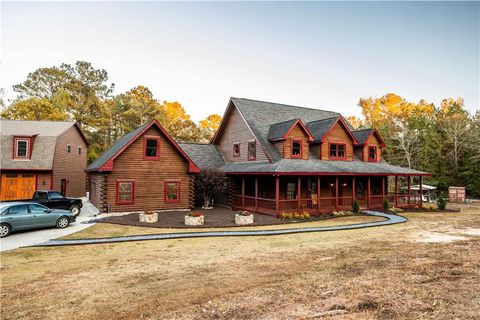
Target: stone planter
pixel 148 218
pixel 194 221
pixel 243 220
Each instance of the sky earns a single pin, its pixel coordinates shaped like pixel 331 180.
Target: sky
pixel 323 55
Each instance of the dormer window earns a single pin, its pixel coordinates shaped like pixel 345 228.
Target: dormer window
pixel 372 154
pixel 152 148
pixel 252 150
pixel 296 148
pixel 337 151
pixel 236 149
pixel 21 148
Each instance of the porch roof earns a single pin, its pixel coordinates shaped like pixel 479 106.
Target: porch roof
pixel 286 166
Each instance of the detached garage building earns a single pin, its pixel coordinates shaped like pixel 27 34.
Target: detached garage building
pixel 41 155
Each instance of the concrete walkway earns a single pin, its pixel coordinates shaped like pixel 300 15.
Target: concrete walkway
pixel 391 219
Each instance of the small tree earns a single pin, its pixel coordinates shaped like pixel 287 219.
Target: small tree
pixel 386 204
pixel 355 206
pixel 441 202
pixel 209 182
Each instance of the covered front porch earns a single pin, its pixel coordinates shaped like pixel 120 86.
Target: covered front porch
pixel 319 194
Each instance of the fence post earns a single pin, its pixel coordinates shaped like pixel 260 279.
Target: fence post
pixel 336 193
pixel 368 195
pixel 318 194
pixel 299 193
pixel 277 194
pixel 256 193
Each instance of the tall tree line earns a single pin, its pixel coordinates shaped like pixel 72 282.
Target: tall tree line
pixel 84 94
pixel 443 140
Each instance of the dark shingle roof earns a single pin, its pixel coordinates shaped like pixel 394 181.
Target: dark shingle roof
pixel 319 128
pixel 261 115
pixel 203 155
pixel 317 166
pixel 362 135
pixel 117 146
pixel 278 130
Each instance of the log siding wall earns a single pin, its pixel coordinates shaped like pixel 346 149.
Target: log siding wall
pixel 149 176
pixel 297 133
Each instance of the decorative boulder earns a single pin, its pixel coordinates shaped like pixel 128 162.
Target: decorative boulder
pixel 148 217
pixel 241 219
pixel 194 220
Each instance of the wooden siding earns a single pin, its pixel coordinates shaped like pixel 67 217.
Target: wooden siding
pixel 372 141
pixel 70 166
pixel 44 181
pixel 337 134
pixel 236 130
pixel 297 133
pixel 149 176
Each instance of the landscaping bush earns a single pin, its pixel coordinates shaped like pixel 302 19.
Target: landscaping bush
pixel 386 204
pixel 441 202
pixel 355 206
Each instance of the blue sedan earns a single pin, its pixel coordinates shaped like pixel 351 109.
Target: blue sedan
pixel 28 215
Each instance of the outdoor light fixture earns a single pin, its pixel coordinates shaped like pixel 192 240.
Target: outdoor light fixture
pixel 331 184
pixel 344 184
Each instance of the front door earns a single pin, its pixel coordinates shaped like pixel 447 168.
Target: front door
pixel 63 187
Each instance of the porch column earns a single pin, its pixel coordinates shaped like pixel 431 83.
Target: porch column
pixel 318 194
pixel 336 193
pixel 408 190
pixel 298 193
pixel 396 191
pixel 243 192
pixel 421 191
pixel 256 193
pixel 354 191
pixel 277 194
pixel 383 189
pixel 368 195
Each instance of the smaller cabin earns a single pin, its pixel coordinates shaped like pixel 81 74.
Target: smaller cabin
pixel 143 170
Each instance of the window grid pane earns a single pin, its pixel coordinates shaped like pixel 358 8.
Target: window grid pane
pixel 172 191
pixel 22 146
pixel 151 149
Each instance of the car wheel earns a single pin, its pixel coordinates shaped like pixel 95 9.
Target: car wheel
pixel 62 222
pixel 5 230
pixel 75 210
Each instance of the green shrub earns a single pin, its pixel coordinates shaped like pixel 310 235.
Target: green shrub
pixel 355 206
pixel 386 204
pixel 441 202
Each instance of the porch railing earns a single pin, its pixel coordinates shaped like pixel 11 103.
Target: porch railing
pixel 321 205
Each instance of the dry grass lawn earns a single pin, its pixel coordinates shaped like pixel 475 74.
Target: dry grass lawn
pixel 394 272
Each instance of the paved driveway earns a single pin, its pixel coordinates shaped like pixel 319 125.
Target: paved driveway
pixel 33 237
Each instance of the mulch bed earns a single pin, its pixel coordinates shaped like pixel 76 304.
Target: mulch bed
pixel 427 210
pixel 215 218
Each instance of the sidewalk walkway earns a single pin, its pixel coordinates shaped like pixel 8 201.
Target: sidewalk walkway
pixel 392 219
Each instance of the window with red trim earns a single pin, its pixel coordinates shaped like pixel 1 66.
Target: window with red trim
pixel 21 148
pixel 252 150
pixel 125 191
pixel 236 149
pixel 152 148
pixel 172 191
pixel 372 154
pixel 296 148
pixel 337 151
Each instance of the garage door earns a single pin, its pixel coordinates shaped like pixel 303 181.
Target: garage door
pixel 17 186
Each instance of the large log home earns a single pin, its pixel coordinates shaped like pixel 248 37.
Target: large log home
pixel 41 155
pixel 282 158
pixel 144 170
